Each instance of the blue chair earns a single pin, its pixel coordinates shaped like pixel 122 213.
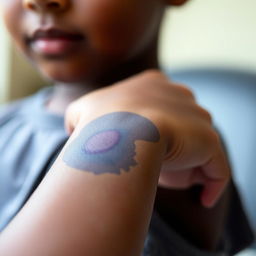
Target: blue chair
pixel 230 95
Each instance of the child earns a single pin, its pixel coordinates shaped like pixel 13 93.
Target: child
pixel 97 197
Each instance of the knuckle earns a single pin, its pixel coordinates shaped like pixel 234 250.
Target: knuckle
pixel 205 114
pixel 214 137
pixel 185 90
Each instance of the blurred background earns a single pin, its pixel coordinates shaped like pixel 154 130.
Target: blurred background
pixel 212 33
pixel 202 33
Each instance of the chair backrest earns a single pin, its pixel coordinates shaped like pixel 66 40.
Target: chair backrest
pixel 230 95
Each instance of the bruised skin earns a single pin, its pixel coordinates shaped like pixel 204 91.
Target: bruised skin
pixel 107 144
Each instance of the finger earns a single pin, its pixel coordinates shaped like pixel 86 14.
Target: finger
pixel 212 192
pixel 217 173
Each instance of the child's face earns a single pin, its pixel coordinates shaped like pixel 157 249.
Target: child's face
pixel 73 40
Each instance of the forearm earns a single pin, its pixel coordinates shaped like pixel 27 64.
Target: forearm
pixel 78 212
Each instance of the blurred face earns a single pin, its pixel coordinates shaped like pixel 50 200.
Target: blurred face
pixel 78 40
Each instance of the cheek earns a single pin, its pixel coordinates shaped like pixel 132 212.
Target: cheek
pixel 120 28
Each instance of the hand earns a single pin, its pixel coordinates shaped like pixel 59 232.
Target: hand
pixel 193 150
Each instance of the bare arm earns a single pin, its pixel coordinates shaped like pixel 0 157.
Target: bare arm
pixel 93 202
pixel 98 197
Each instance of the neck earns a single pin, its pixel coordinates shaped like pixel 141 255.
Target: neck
pixel 64 94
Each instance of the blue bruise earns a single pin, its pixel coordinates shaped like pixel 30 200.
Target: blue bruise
pixel 118 153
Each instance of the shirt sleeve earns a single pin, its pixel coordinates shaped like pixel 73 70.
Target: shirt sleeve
pixel 237 234
pixel 164 241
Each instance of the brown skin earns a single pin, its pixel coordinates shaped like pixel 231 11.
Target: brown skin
pixel 121 36
pixel 120 41
pixel 116 33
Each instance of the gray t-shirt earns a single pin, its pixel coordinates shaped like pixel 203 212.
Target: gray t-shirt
pixel 31 138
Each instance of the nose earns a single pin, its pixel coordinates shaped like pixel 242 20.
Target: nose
pixel 46 5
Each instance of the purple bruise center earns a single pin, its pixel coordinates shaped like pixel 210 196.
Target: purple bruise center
pixel 102 142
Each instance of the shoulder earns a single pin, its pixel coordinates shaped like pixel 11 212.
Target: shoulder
pixel 29 104
pixel 9 108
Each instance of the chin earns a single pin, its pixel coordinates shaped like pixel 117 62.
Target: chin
pixel 65 75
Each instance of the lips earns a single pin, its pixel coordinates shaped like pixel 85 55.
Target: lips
pixel 54 42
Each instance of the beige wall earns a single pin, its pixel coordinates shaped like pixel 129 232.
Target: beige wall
pixel 17 77
pixel 4 64
pixel 211 32
pixel 26 80
pixel 202 33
